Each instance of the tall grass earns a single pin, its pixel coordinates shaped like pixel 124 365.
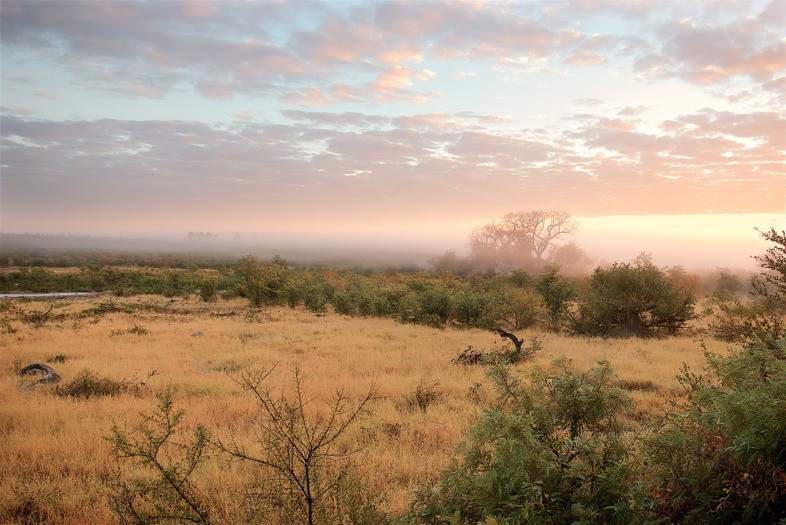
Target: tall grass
pixel 55 460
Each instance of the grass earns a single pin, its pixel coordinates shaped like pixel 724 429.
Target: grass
pixel 55 459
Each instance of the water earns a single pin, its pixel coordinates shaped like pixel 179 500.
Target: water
pixel 50 294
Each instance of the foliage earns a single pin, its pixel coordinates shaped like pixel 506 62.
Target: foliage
pixel 557 293
pixel 728 285
pixel 427 302
pixel 498 356
pixel 724 459
pixel 518 307
pixel 164 491
pixel 762 318
pixel 736 321
pixel 470 306
pixel 208 287
pixel 302 452
pixel 262 283
pixel 469 356
pixel 518 299
pixel 771 283
pixel 134 330
pixel 548 452
pixel 632 299
pixel 571 259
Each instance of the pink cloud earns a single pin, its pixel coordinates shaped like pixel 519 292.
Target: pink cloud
pixel 393 83
pixel 346 93
pixel 393 78
pixel 584 58
pixel 406 52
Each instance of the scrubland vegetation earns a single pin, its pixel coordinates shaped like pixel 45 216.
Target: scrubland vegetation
pixel 262 392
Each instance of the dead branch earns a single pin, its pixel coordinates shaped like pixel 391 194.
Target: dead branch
pixel 40 322
pixel 516 341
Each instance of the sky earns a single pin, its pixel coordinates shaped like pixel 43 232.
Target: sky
pixel 659 125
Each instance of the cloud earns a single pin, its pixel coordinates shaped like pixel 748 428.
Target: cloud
pixel 708 161
pixel 706 53
pixel 322 121
pixel 226 49
pixel 394 83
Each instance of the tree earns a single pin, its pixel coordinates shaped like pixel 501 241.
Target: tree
pixel 450 262
pixel 632 299
pixel 520 239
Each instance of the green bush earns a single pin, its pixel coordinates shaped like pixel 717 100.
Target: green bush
pixel 632 300
pixel 557 293
pixel 549 452
pixel 723 460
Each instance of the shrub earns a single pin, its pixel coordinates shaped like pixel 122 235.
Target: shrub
pixel 165 491
pixel 134 330
pixel 89 384
pixel 550 452
pixel 468 306
pixel 763 317
pixel 424 395
pixel 503 356
pixel 632 299
pixel 736 321
pixel 518 307
pixel 208 288
pixel 469 356
pixel 263 284
pixel 724 459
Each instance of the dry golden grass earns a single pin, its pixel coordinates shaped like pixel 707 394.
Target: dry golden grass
pixel 55 460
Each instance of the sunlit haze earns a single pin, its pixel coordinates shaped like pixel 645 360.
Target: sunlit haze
pixel 659 125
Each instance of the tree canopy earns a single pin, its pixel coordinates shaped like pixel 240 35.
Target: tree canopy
pixel 520 239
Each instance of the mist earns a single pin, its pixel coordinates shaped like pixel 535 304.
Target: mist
pixel 318 250
pixel 690 249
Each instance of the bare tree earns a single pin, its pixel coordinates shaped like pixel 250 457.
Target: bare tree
pixel 520 239
pixel 302 449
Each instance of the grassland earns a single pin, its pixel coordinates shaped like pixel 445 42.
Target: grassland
pixel 55 460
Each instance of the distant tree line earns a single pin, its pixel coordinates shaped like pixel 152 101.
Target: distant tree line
pixel 634 298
